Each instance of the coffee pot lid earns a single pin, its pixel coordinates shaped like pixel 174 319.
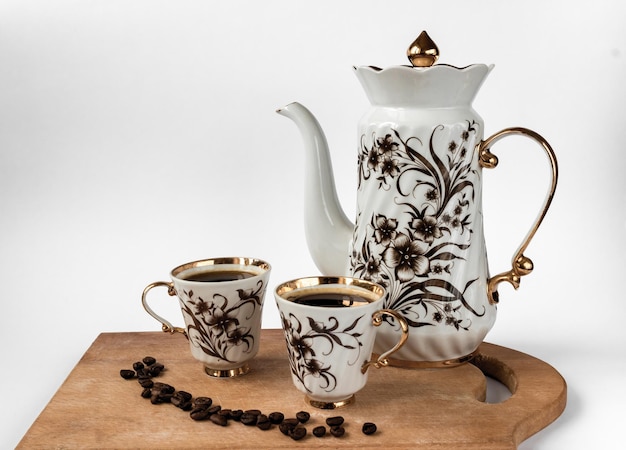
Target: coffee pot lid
pixel 424 83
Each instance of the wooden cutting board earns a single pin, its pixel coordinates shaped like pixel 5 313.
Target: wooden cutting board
pixel 426 409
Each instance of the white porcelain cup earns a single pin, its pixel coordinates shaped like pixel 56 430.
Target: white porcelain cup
pixel 330 326
pixel 221 300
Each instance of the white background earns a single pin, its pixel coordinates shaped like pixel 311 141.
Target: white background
pixel 138 135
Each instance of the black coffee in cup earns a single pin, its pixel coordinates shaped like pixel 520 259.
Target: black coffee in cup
pixel 214 276
pixel 329 300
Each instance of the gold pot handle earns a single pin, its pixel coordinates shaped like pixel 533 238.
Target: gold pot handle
pixel 166 326
pixel 377 320
pixel 521 265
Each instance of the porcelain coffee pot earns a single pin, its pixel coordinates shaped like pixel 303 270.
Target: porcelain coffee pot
pixel 419 221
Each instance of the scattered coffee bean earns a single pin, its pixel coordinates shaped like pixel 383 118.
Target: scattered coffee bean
pixel 203 401
pixel 185 406
pixel 202 408
pixel 163 388
pixel 286 427
pixel 334 421
pixel 225 413
pixel 276 417
pixel 263 422
pixel 156 369
pixel 218 419
pixel 181 399
pixel 236 414
pixel 369 428
pixel 292 422
pixel 184 395
pixel 199 413
pixel 149 360
pixel 297 433
pixel 248 419
pixel 303 416
pixel 127 374
pixel 146 382
pixel 214 409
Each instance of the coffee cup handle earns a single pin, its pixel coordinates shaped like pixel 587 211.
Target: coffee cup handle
pixel 166 326
pixel 377 320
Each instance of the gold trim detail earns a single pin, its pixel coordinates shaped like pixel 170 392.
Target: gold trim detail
pixel 521 265
pixel 377 320
pixel 423 52
pixel 166 325
pixel 329 405
pixel 230 373
pixel 447 363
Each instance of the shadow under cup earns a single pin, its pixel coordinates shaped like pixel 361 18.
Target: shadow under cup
pixel 330 326
pixel 221 300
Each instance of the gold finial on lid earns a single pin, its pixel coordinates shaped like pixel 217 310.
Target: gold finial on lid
pixel 423 52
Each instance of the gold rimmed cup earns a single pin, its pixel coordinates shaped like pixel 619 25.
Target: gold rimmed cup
pixel 221 300
pixel 330 326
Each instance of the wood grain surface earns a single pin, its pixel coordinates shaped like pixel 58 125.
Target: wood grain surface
pixel 426 409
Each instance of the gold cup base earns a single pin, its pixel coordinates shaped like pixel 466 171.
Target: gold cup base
pixel 229 373
pixel 329 405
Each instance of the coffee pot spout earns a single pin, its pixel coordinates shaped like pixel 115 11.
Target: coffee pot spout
pixel 328 231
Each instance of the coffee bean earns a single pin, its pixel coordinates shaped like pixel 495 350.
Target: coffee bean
pixel 369 428
pixel 334 421
pixel 303 416
pixel 203 401
pixel 337 431
pixel 263 422
pixel 149 360
pixel 214 409
pixel 225 413
pixel 276 417
pixel 184 395
pixel 254 412
pixel 292 422
pixel 248 419
pixel 319 431
pixel 156 369
pixel 181 398
pixel 186 406
pixel 297 433
pixel 218 419
pixel 146 393
pixel 163 388
pixel 165 398
pixel 146 382
pixel 127 374
pixel 199 413
pixel 236 414
pixel 138 366
pixel 286 427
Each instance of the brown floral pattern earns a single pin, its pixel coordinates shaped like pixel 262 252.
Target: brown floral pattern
pixel 216 327
pixel 413 254
pixel 302 342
